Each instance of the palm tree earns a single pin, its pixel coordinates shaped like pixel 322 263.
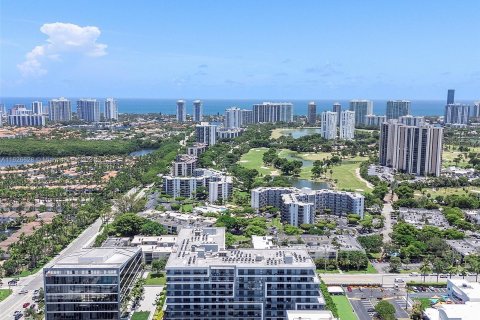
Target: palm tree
pixel 425 269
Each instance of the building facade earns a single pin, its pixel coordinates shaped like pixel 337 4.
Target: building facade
pixel 237 118
pixel 37 107
pixel 328 125
pixel 457 114
pixel 88 110
pixel 411 149
pixel 184 165
pixel 229 133
pixel 398 108
pixel 196 149
pixel 91 284
pixel 111 109
pixel 410 120
pixel 312 113
pixel 206 133
pixel 218 185
pixel 181 111
pixel 206 281
pixel 197 111
pixel 273 112
pixel 22 117
pixel 337 107
pixel 300 205
pixel 347 125
pixel 451 96
pixel 372 120
pixel 361 108
pixel 60 110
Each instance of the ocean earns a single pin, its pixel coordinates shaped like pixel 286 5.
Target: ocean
pixel 218 106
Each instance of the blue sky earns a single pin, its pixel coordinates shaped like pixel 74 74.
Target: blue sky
pixel 240 49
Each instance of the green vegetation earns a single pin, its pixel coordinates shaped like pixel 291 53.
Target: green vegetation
pixel 253 160
pixel 345 177
pixel 70 147
pixel 329 302
pixel 347 261
pixel 425 302
pixel 345 310
pixel 156 279
pixel 140 315
pixel 4 293
pixel 385 310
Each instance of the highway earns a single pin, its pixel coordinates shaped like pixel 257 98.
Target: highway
pixel 15 301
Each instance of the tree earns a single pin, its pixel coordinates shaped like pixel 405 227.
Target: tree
pixel 395 264
pixel 439 266
pixel 385 310
pixel 152 228
pixel 425 269
pixel 417 312
pixel 473 264
pixel 371 244
pixel 158 265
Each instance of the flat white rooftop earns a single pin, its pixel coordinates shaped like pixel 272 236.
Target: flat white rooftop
pixel 97 258
pixel 309 315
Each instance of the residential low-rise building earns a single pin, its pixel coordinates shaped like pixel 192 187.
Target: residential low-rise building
pixel 300 205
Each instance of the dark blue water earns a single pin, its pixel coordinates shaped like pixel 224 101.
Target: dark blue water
pixel 217 106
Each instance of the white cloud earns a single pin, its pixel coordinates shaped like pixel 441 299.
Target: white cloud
pixel 63 38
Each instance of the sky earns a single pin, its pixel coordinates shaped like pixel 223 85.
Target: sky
pixel 240 49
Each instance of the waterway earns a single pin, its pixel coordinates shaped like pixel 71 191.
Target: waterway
pixel 142 152
pixel 301 132
pixel 304 183
pixel 19 161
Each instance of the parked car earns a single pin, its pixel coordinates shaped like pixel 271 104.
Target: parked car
pixel 17 315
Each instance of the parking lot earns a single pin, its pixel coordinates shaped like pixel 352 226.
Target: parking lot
pixel 365 299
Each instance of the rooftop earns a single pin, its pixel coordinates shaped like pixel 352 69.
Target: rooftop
pixel 97 258
pixel 469 289
pixel 206 247
pixel 309 315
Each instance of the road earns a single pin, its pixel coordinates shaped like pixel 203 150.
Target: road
pixel 386 279
pixel 387 214
pixel 15 301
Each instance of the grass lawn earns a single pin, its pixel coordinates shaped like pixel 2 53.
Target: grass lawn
pixel 253 159
pixel 26 273
pixel 449 155
pixel 345 174
pixel 345 310
pixel 140 315
pixel 4 293
pixel 445 191
pixel 320 271
pixel 306 172
pixel 370 269
pixel 156 279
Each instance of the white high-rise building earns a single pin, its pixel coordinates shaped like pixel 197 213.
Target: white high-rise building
pixel 88 110
pixel 476 110
pixel 22 117
pixel 372 120
pixel 206 133
pixel 347 125
pixel 237 118
pixel 273 112
pixel 361 108
pixel 457 114
pixel 329 124
pixel 312 113
pixel 37 107
pixel 197 111
pixel 410 120
pixel 111 109
pixel 411 149
pixel 398 108
pixel 60 110
pixel 181 111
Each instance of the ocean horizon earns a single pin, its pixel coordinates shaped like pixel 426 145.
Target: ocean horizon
pixel 218 106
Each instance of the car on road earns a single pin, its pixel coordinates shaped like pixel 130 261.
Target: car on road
pixel 12 282
pixel 23 291
pixel 414 274
pixel 26 305
pixel 17 315
pixel 349 289
pixel 399 280
pixel 443 276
